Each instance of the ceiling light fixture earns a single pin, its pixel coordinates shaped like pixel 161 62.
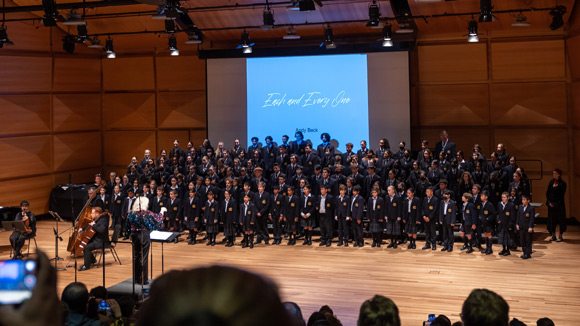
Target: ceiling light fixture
pixel 485 15
pixel 291 34
pixel 246 46
pixel 521 21
pixel 306 5
pixel 473 37
pixel 557 19
pixel 74 19
pixel 95 43
pixel 268 16
pixel 387 36
pixel 173 46
pixel 374 15
pixel 194 38
pixel 328 42
pixel 109 49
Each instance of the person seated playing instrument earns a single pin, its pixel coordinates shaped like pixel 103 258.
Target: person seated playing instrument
pixel 17 238
pixel 100 224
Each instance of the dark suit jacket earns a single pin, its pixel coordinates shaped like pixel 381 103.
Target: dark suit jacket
pixel 447 217
pixel 357 206
pixel 526 217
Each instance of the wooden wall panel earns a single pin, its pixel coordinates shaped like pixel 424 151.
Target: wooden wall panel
pixel 82 75
pixel 575 97
pixel 180 73
pixel 76 112
pixel 181 109
pixel 25 74
pixel 464 138
pixel 548 145
pixel 453 63
pixel 119 146
pixel 529 104
pixel 27 37
pixel 30 155
pixel 36 190
pixel 573 53
pixel 198 135
pixel 165 139
pixel 533 60
pixel 128 74
pixel 77 151
pixel 24 114
pixel 576 143
pixel 77 176
pixel 129 110
pixel 454 105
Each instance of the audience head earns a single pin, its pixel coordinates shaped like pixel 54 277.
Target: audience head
pixel 99 292
pixel 76 296
pixel 211 296
pixel 379 311
pixel 441 320
pixel 485 308
pixel 545 322
pixel 295 314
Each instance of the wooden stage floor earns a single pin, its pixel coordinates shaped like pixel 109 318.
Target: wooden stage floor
pixel 420 282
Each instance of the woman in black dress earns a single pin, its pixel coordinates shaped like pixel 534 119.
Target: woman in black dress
pixel 556 207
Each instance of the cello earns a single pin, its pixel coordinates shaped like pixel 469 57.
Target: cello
pixel 83 220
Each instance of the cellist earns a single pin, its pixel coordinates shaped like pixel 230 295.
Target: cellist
pixel 17 238
pixel 100 223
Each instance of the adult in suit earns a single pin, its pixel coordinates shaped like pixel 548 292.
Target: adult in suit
pixel 525 225
pixel 299 145
pixel 555 195
pixel 325 206
pixel 100 224
pixel 309 161
pixel 362 152
pixel 411 217
pixel 447 214
pixel 469 225
pixel 342 215
pixel 376 214
pixel 177 150
pixel 283 158
pixel 393 216
pixel 430 210
pixel 357 206
pixel 321 149
pixel 17 238
pixel 445 145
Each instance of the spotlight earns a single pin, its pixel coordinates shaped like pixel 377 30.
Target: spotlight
pixel 294 6
pixel 4 40
pixel 268 19
pixel 171 10
pixel 328 39
pixel 50 13
pixel 169 26
pixel 68 43
pixel 557 20
pixel 521 21
pixel 194 38
pixel 74 19
pixel 109 49
pixel 173 46
pixel 246 46
pixel 387 35
pixel 472 28
pixel 291 34
pixel 485 15
pixel 82 33
pixel 306 5
pixel 95 44
pixel 374 15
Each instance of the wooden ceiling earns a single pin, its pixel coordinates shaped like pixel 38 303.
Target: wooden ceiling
pixel 219 24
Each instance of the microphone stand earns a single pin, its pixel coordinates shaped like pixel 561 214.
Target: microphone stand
pixel 57 238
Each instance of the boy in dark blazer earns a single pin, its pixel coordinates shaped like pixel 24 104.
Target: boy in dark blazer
pixel 275 214
pixel 247 220
pixel 411 212
pixel 393 216
pixel 447 213
pixel 307 209
pixel 525 226
pixel 469 224
pixel 357 206
pixel 342 216
pixel 325 206
pixel 506 218
pixel 487 216
pixel 430 208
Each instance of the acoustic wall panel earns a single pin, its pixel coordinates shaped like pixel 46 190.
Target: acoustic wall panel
pixel 28 155
pixel 454 105
pixel 532 60
pixel 120 146
pixel 181 109
pixel 180 73
pixel 36 190
pixel 129 111
pixel 80 75
pixel 77 112
pixel 24 114
pixel 77 150
pixel 25 74
pixel 128 74
pixel 452 63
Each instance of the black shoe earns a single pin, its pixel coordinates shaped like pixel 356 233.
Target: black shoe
pixel 469 250
pixel 346 243
pixel 361 244
pixel 339 243
pixel 464 247
pixel 434 247
pixel 251 244
pixel 83 268
pixel 395 245
pixel 489 252
pixel 450 249
pixel 526 257
pixel 305 242
pixel 355 244
pixel 444 249
pixel 245 243
pixel 374 245
pixel 191 243
pixel 553 238
pixel 208 243
pixel 410 246
pixel 391 244
pixel 258 241
pixel 267 241
pixel 309 242
pixel 560 239
pixel 507 253
pixel 328 243
pixel 403 241
pixel 427 246
pixel 322 243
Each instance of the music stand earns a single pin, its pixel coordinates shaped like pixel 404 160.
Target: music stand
pixel 162 237
pixel 57 238
pixel 13 226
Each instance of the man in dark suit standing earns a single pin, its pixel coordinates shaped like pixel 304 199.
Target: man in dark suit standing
pixel 445 145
